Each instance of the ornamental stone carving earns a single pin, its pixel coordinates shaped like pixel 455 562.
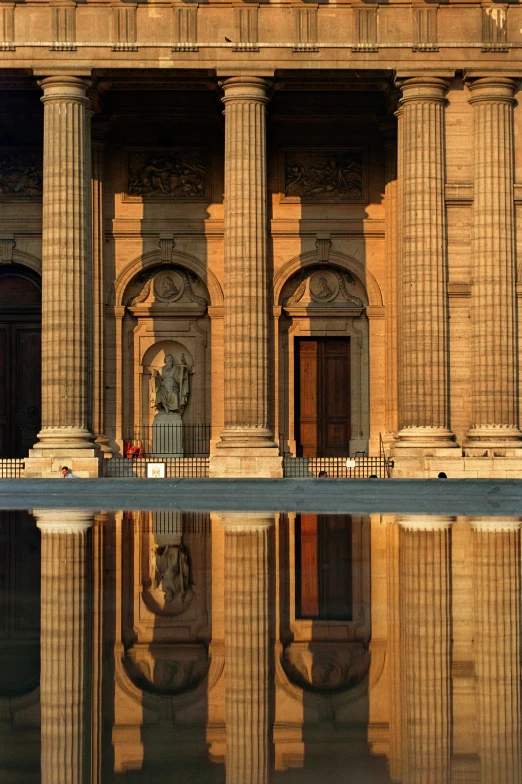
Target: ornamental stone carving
pixel 20 174
pixel 172 286
pixel 167 174
pixel 321 667
pixel 167 669
pixel 319 286
pixel 323 175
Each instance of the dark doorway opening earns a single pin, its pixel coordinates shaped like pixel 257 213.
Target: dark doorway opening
pixel 322 401
pixel 20 360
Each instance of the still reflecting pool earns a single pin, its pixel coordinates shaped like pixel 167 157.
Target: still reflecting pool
pixel 250 648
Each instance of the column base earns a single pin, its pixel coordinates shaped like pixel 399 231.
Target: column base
pixel 47 463
pixel 425 441
pixel 493 441
pixel 103 443
pixel 250 462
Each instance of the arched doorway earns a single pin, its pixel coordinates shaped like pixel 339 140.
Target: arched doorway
pixel 20 360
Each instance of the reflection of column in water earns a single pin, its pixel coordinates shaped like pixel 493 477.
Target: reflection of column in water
pixel 425 606
pixel 247 635
pixel 66 646
pixel 497 643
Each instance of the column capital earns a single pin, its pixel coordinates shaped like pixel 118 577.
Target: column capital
pixel 423 88
pixel 63 521
pixel 245 88
pixel 58 88
pixel 496 89
pixel 495 525
pixel 424 522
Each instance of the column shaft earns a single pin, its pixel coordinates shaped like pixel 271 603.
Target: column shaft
pixel 422 372
pixel 246 313
pixel 66 646
pixel 391 280
pixel 66 264
pixel 247 638
pixel 497 644
pixel 425 649
pixel 98 375
pixel 493 300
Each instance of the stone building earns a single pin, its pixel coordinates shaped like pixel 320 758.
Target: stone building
pixel 311 208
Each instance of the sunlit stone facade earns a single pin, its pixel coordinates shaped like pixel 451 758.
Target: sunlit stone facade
pixel 312 209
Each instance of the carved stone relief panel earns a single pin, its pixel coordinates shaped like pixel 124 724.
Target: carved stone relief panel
pixel 322 286
pixel 167 286
pixel 20 174
pixel 321 174
pixel 166 175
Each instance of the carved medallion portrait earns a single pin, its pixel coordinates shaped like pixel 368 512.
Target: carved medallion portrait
pixel 318 174
pixel 166 175
pixel 20 174
pixel 324 286
pixel 168 286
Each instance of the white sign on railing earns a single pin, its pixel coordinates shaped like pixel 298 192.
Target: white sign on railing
pixel 350 463
pixel 155 470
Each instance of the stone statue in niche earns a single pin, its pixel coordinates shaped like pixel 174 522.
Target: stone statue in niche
pixel 171 386
pixel 168 174
pixel 20 174
pixel 323 175
pixel 172 571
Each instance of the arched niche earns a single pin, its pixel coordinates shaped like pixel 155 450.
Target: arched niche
pixel 323 361
pixel 165 312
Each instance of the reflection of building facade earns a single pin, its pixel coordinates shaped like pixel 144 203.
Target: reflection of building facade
pixel 338 268
pixel 245 648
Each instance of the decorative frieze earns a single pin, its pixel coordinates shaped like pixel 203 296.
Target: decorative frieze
pixel 164 175
pixel 425 29
pixel 245 24
pixel 64 27
pixel 306 29
pixel 20 174
pixel 365 29
pixel 185 32
pixel 494 28
pixel 7 27
pixel 322 174
pixel 124 32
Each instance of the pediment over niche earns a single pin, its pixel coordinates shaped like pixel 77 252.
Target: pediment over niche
pixel 169 290
pixel 323 287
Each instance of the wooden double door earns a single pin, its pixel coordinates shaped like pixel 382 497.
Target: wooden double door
pixel 322 401
pixel 20 364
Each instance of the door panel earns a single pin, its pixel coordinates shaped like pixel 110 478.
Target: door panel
pixel 323 397
pixel 20 386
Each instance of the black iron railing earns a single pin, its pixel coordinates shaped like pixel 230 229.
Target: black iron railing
pixel 164 440
pixel 336 467
pixel 186 467
pixel 11 468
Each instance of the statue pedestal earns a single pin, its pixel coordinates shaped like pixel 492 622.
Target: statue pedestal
pixel 167 435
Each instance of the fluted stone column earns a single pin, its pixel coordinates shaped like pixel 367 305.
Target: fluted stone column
pixel 66 278
pixel 98 242
pixel 66 645
pixel 423 335
pixel 389 130
pixel 247 647
pixel 425 631
pixel 247 446
pixel 495 416
pixel 497 645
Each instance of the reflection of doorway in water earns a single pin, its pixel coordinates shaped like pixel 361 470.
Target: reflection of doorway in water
pixel 323 560
pixel 322 404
